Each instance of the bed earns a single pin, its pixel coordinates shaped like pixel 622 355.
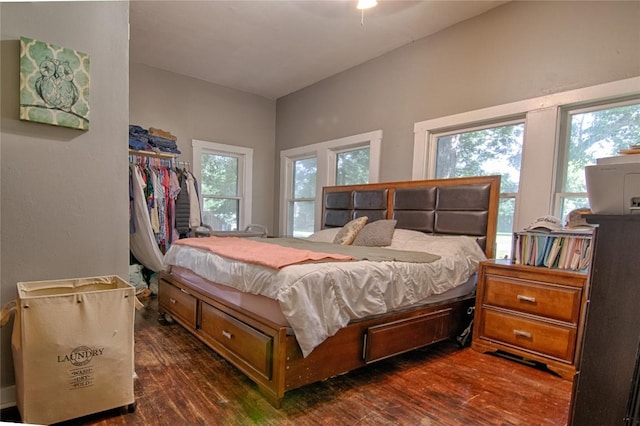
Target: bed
pixel 286 326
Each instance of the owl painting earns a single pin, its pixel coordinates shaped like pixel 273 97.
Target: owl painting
pixel 54 84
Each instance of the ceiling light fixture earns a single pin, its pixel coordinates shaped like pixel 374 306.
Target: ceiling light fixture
pixel 365 4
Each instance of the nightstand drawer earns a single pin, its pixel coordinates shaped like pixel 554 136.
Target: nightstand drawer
pixel 524 333
pixel 560 303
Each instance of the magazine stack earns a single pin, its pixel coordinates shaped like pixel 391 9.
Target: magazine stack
pixel 561 249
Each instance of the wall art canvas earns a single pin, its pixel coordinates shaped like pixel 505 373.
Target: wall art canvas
pixel 54 84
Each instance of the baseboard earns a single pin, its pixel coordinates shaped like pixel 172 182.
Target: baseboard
pixel 8 397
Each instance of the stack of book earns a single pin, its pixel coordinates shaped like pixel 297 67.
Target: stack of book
pixel 633 149
pixel 566 249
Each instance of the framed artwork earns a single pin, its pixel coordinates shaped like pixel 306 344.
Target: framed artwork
pixel 54 84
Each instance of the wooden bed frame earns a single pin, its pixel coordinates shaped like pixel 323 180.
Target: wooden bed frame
pixel 269 354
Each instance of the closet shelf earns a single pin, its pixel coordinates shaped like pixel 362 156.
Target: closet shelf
pixel 153 154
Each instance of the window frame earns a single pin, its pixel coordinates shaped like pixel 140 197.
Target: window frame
pixel 541 146
pixel 326 158
pixel 564 137
pixel 245 174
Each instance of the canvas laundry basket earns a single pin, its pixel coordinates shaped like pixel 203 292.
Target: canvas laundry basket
pixel 72 344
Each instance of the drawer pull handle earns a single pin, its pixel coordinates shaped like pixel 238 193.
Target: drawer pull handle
pixel 172 300
pixel 524 298
pixel 227 334
pixel 522 333
pixel 184 291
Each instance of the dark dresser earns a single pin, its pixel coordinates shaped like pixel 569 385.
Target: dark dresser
pixel 605 388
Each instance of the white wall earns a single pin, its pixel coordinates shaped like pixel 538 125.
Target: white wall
pixel 194 109
pixel 517 51
pixel 64 192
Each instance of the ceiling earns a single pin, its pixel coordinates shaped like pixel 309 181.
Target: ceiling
pixel 275 47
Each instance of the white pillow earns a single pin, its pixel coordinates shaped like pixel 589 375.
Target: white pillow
pixel 443 245
pixel 401 237
pixel 324 235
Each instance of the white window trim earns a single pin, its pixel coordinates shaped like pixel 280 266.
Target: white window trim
pixel 245 172
pixel 325 154
pixel 539 150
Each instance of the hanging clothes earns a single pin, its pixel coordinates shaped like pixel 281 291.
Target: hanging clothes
pixel 194 203
pixel 174 190
pixel 142 242
pixel 182 206
pixel 165 206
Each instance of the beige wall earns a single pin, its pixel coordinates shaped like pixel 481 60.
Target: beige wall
pixel 64 192
pixel 194 109
pixel 517 51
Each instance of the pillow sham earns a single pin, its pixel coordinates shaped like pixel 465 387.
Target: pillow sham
pixel 376 234
pixel 324 235
pixel 348 233
pixel 403 236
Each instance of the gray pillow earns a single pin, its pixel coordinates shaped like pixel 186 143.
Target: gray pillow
pixel 376 234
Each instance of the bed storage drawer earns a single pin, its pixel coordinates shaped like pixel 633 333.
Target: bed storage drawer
pixel 537 336
pixel 383 341
pixel 178 302
pixel 557 302
pixel 250 345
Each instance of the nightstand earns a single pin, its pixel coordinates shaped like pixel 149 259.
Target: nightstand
pixel 536 313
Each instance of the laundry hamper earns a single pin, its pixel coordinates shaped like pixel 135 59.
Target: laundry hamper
pixel 72 344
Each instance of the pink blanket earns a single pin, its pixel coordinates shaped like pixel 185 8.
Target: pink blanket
pixel 265 254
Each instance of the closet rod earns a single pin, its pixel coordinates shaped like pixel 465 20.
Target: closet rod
pixel 153 154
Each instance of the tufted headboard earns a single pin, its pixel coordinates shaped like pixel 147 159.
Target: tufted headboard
pixel 458 206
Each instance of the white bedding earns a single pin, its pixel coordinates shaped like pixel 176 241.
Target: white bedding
pixel 320 298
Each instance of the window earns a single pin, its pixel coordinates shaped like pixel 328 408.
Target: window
pixel 590 133
pixel 224 176
pixel 494 150
pixel 352 166
pixel 305 170
pixel 302 203
pixel 562 133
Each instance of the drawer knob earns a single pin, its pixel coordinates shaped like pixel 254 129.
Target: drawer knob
pixel 227 334
pixel 172 301
pixel 524 298
pixel 522 333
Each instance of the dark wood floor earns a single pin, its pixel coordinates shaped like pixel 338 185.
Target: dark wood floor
pixel 181 382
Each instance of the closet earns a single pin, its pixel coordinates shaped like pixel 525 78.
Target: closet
pixel 163 206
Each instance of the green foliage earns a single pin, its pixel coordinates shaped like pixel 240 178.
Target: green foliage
pixel 219 175
pixel 353 167
pixel 597 134
pixel 304 178
pixel 219 188
pixel 491 151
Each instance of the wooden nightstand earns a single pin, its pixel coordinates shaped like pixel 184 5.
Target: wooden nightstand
pixel 533 312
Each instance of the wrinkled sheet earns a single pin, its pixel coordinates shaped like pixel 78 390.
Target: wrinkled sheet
pixel 319 299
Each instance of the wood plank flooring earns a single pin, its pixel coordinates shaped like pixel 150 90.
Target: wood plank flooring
pixel 182 382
